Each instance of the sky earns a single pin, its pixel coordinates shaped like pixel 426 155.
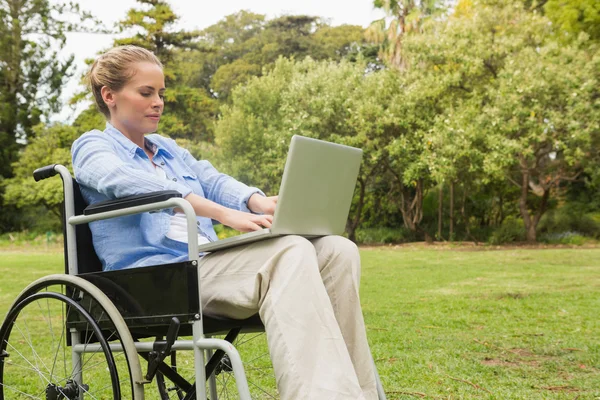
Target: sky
pixel 199 14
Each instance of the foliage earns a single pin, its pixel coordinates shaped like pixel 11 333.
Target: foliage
pixel 566 238
pixel 32 33
pixel 493 111
pixel 383 235
pixel 569 218
pixel 51 145
pixel 402 17
pixel 575 16
pixel 327 100
pixel 189 111
pixel 510 231
pixel 244 44
pixel 511 104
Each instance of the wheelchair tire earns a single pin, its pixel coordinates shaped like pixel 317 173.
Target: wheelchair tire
pixel 36 354
pixel 25 358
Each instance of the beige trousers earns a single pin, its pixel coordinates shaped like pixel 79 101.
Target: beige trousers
pixel 306 293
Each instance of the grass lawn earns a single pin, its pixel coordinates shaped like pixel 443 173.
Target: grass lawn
pixel 452 324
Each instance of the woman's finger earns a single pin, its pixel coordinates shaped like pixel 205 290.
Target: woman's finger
pixel 262 220
pixel 265 222
pixel 252 226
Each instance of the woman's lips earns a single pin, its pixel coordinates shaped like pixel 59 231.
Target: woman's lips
pixel 154 117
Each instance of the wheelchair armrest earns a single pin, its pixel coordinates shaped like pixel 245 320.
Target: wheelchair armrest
pixel 44 172
pixel 130 201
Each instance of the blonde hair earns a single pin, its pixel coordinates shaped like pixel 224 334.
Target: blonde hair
pixel 113 70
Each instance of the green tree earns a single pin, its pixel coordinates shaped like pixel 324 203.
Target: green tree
pixel 332 101
pixel 546 119
pixel 513 104
pixel 242 45
pixel 50 145
pixel 402 17
pixel 32 33
pixel 575 16
pixel 190 110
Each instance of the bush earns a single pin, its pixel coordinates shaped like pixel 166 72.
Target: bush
pixel 30 238
pixel 383 235
pixel 511 230
pixel 569 220
pixel 568 238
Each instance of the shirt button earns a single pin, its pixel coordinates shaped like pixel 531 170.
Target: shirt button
pixel 162 163
pixel 198 223
pixel 174 179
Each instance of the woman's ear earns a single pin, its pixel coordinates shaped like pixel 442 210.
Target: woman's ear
pixel 108 96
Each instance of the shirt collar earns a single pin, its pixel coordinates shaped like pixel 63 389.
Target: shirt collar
pixel 131 147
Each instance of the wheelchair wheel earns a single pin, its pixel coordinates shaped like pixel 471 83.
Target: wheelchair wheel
pixel 257 365
pixel 56 343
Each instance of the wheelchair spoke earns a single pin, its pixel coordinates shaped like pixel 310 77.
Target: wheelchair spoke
pixel 18 391
pixel 224 383
pixel 241 342
pixel 109 385
pixel 35 368
pixel 60 340
pixel 262 390
pixel 36 357
pixel 261 370
pixel 21 366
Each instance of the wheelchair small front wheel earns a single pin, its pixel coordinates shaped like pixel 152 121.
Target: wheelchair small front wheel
pixel 38 361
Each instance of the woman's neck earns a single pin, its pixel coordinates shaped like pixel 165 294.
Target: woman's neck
pixel 135 137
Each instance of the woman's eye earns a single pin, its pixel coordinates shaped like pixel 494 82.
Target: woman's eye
pixel 146 94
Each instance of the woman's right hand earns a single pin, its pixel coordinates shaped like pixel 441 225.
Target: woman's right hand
pixel 238 220
pixel 245 222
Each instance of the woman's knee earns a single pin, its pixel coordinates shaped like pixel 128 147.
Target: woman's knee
pixel 338 246
pixel 297 244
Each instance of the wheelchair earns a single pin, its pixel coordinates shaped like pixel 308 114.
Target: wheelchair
pixel 86 333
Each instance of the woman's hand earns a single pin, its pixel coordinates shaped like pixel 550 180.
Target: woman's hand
pixel 239 220
pixel 245 222
pixel 262 205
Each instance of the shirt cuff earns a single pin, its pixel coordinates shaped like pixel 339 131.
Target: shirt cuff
pixel 183 189
pixel 246 196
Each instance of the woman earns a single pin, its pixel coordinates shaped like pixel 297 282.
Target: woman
pixel 306 292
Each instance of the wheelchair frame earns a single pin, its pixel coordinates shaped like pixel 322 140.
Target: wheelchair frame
pixel 94 284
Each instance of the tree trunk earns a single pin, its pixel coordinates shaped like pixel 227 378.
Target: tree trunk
pixel 451 211
pixel 531 222
pixel 501 205
pixel 352 226
pixel 523 206
pixel 440 211
pixel 463 212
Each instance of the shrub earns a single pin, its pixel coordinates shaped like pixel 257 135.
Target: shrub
pixel 383 235
pixel 568 238
pixel 511 230
pixel 569 220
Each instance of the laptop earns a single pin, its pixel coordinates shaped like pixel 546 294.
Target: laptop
pixel 315 193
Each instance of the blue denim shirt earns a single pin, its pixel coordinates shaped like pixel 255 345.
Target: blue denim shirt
pixel 108 165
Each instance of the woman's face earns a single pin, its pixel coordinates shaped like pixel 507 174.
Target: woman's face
pixel 137 107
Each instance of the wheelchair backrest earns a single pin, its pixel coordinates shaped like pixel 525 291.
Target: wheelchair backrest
pixel 87 259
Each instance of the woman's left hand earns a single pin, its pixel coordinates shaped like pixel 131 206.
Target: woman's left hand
pixel 262 205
